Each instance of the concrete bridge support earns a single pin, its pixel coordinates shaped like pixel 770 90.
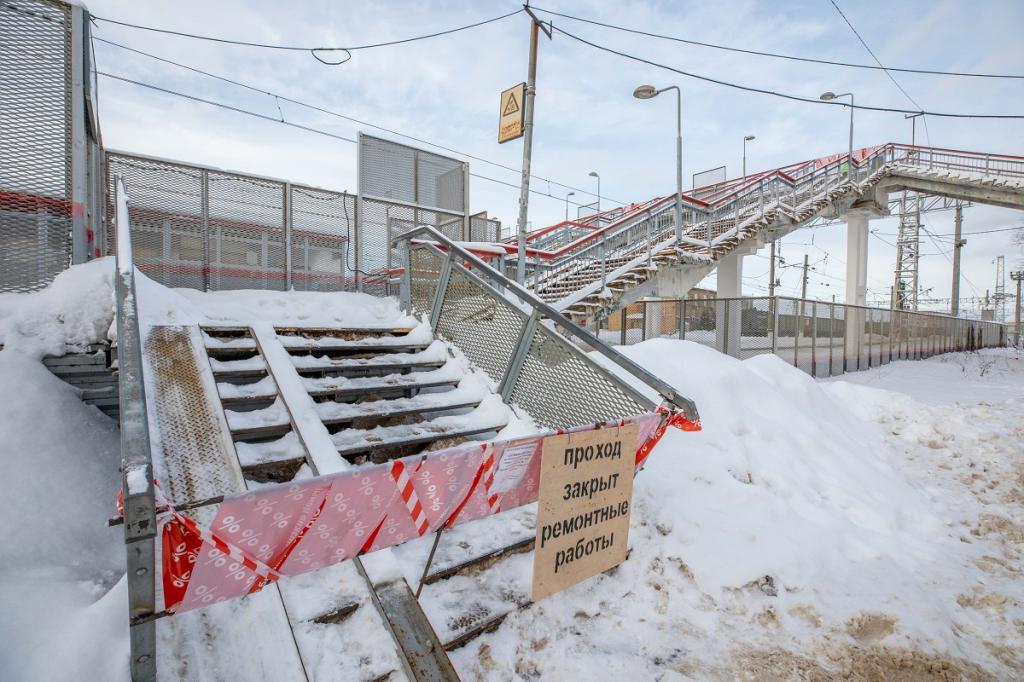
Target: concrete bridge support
pixel 856 283
pixel 728 320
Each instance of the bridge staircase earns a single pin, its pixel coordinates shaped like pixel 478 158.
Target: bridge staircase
pixel 608 261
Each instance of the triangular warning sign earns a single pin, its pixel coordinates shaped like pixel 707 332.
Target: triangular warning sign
pixel 511 106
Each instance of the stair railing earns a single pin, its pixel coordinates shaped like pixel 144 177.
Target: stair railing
pixel 522 343
pixel 139 502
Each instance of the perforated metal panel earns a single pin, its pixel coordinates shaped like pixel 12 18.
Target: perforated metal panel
pixel 486 329
pixel 426 269
pixel 35 143
pixel 195 459
pixel 323 228
pixel 559 387
pixel 165 206
pixel 246 232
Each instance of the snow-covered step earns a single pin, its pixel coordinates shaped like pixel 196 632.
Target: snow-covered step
pixel 334 414
pixel 432 357
pixel 248 367
pixel 348 388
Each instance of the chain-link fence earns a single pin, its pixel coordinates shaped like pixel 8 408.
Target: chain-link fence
pixel 821 338
pixel 49 149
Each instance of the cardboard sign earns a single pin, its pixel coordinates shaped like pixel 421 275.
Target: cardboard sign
pixel 586 492
pixel 510 115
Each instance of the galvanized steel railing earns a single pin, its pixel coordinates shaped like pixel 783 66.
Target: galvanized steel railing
pixel 519 341
pixel 136 457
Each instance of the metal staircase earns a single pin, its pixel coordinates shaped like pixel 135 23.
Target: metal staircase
pixel 602 262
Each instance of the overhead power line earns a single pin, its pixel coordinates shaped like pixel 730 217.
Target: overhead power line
pixel 774 55
pixel 763 91
pixel 300 48
pixel 329 112
pixel 924 119
pixel 281 121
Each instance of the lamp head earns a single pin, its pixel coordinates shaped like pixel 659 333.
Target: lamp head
pixel 827 96
pixel 570 194
pixel 594 174
pixel 748 138
pixel 645 92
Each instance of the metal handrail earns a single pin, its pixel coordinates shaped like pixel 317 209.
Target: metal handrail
pixel 497 279
pixel 136 456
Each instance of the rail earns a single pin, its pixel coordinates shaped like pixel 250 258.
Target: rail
pixel 513 336
pixel 139 503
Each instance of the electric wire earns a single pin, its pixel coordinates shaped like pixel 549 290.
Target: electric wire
pixel 310 129
pixel 774 93
pixel 312 50
pixel 774 55
pixel 346 117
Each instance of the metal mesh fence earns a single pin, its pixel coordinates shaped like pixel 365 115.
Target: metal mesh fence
pixel 425 270
pixel 203 228
pixel 822 339
pixel 485 328
pixel 323 223
pixel 558 386
pixel 35 143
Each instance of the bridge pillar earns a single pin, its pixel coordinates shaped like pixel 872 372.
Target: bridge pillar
pixel 728 321
pixel 856 285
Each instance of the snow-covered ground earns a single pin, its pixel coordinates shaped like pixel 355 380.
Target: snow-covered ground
pixel 867 527
pixel 812 530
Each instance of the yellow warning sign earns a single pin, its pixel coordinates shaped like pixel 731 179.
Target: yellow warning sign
pixel 510 118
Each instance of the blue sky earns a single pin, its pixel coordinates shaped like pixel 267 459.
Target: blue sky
pixel 446 90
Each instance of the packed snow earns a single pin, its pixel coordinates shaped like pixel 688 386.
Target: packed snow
pixel 865 527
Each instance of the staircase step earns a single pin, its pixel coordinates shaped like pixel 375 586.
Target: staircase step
pixel 395 384
pixel 333 414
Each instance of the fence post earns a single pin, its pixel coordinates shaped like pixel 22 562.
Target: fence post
pixel 775 323
pixel 798 315
pixel 643 320
pixel 515 365
pixel 831 334
pixel 79 151
pixel 442 286
pixel 288 236
pixel 622 326
pixel 204 208
pixel 814 338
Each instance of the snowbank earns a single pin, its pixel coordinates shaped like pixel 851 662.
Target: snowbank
pixel 811 530
pixel 75 310
pixel 61 461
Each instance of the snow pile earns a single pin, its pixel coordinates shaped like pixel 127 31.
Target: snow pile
pixel 811 530
pixel 161 305
pixel 59 558
pixel 75 310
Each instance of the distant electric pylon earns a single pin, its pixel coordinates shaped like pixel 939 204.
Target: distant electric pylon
pixel 999 298
pixel 908 245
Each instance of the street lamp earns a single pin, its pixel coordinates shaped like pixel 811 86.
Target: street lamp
pixel 648 92
pixel 746 139
pixel 594 174
pixel 570 194
pixel 828 97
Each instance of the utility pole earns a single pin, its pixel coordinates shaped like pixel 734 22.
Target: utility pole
pixel 958 243
pixel 771 271
pixel 524 188
pixel 803 286
pixel 1017 276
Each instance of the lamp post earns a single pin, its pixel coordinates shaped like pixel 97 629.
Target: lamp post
pixel 594 174
pixel 829 96
pixel 648 92
pixel 746 139
pixel 570 194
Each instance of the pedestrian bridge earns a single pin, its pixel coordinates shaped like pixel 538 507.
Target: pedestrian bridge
pixel 592 266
